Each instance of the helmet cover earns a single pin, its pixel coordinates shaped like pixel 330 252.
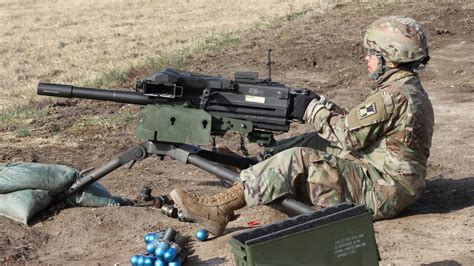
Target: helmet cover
pixel 399 39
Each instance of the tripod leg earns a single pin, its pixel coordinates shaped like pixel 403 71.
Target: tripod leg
pixel 189 154
pixel 226 175
pixel 133 154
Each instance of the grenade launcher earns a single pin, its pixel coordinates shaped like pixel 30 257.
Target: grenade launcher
pixel 183 109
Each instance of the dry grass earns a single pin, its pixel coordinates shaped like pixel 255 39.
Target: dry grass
pixel 77 41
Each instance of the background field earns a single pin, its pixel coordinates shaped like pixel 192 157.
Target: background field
pixel 80 41
pixel 316 46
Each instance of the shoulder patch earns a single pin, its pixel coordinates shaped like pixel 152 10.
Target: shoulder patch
pixel 371 111
pixel 367 110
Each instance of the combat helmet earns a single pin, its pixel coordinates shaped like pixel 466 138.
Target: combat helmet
pixel 399 40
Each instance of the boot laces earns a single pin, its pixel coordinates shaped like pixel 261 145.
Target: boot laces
pixel 202 199
pixel 219 198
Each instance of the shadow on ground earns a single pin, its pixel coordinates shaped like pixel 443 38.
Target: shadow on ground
pixel 194 260
pixel 444 195
pixel 443 263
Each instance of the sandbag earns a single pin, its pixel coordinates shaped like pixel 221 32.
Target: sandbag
pixel 95 195
pixel 28 188
pixel 23 204
pixel 49 177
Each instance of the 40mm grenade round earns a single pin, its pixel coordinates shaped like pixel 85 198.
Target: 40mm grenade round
pixel 202 234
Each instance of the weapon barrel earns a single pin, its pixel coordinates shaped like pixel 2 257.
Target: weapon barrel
pixel 69 91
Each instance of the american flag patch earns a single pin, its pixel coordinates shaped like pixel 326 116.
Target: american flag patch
pixel 366 110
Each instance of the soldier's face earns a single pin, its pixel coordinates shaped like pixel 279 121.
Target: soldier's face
pixel 372 62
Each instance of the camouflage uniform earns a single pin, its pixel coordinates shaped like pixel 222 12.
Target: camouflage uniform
pixel 374 154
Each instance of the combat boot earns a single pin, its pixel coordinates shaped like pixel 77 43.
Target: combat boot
pixel 212 212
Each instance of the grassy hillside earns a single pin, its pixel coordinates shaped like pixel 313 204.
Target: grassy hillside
pixel 80 41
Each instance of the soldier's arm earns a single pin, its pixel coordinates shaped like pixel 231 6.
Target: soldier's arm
pixel 358 127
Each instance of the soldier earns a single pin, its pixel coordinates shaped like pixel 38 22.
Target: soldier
pixel 374 154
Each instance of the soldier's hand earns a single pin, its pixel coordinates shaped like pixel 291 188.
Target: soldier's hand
pixel 300 102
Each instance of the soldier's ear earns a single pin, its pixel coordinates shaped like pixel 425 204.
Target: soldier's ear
pixel 391 64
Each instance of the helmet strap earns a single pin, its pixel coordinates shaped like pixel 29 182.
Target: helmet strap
pixel 380 67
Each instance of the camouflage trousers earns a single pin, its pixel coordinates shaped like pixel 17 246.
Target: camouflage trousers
pixel 312 171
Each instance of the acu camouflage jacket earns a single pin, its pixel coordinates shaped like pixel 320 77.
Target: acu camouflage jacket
pixel 389 133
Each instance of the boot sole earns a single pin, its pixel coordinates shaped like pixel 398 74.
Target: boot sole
pixel 211 227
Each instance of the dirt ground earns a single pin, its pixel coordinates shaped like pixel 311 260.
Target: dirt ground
pixel 321 51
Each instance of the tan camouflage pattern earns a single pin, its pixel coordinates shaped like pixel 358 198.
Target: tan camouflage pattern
pixel 375 154
pixel 399 39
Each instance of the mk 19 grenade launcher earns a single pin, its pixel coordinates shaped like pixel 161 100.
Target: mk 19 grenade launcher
pixel 182 109
pixel 186 107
